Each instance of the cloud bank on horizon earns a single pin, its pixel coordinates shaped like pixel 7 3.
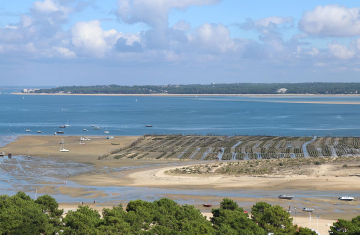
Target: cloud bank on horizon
pixel 69 42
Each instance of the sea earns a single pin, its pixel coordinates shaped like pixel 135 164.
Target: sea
pixel 212 115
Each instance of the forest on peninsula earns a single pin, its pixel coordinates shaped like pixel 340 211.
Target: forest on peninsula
pixel 20 214
pixel 235 88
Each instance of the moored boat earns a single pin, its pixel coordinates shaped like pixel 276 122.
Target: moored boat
pixel 59 132
pixel 307 209
pixel 148 126
pixel 207 205
pixel 285 197
pixel 38 132
pixel 62 126
pixel 2 153
pixel 346 198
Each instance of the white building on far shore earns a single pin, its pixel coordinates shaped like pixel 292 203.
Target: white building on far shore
pixel 281 90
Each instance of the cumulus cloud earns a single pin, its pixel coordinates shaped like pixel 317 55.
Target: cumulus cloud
pixel 331 20
pixel 340 51
pixel 64 52
pixel 89 37
pixel 213 38
pixel 49 6
pixel 269 23
pixel 154 12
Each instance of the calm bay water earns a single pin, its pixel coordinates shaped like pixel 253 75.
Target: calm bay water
pixel 179 115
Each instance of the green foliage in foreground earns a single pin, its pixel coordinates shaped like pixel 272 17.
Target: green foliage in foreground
pixel 20 214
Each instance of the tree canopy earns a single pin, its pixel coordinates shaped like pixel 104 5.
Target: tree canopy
pixel 19 214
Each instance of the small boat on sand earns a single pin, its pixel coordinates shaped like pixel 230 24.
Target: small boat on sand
pixel 62 147
pixel 346 198
pixel 307 209
pixel 285 197
pixel 207 205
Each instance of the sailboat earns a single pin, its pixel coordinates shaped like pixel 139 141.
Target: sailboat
pixel 106 131
pixel 67 123
pixel 62 145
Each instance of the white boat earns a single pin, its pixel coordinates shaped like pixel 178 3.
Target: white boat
pixel 84 130
pixel 62 147
pixel 84 139
pixel 106 131
pixel 2 153
pixel 285 197
pixel 38 132
pixel 307 209
pixel 346 198
pixel 27 130
pixel 96 128
pixel 67 123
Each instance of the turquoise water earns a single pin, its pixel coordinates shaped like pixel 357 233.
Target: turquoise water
pixel 179 115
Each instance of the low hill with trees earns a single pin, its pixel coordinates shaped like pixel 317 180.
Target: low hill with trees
pixel 235 88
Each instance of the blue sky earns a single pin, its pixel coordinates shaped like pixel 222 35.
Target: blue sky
pixel 133 42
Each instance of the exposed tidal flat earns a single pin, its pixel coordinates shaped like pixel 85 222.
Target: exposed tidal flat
pixel 137 171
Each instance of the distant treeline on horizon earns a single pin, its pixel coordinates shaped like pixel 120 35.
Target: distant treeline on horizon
pixel 235 88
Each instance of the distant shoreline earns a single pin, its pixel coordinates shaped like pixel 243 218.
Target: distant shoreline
pixel 158 94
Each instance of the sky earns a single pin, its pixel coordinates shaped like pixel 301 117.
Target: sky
pixel 160 42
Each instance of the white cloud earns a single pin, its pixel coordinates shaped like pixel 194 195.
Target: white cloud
pixel 91 40
pixel 331 20
pixel 26 21
pixel 275 20
pixel 340 51
pixel 154 12
pixel 11 27
pixel 313 51
pixel 48 6
pixel 64 52
pixel 89 36
pixel 213 38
